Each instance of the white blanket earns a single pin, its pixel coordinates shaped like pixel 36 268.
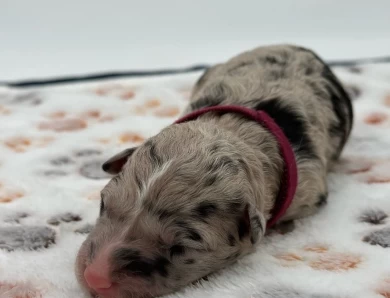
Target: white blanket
pixel 54 139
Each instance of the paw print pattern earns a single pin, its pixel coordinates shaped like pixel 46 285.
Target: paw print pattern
pixel 19 290
pixel 22 144
pixel 130 138
pixel 85 161
pixel 377 118
pixel 9 194
pixel 384 288
pixel 386 100
pixel 87 152
pixel 27 98
pixel 64 217
pixel 87 117
pixel 26 237
pixel 93 170
pixel 370 171
pixel 64 125
pixel 320 257
pixel 86 229
pixel 152 106
pixel 16 218
pixel 375 217
pixel 379 237
pixel 336 262
pixel 123 92
pixel 4 111
pixel 155 107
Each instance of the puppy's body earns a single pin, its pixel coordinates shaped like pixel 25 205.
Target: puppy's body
pixel 196 197
pixel 297 89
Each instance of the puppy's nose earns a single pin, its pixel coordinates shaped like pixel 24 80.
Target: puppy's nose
pixel 97 276
pixel 97 280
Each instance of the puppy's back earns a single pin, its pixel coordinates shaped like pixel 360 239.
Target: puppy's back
pixel 295 79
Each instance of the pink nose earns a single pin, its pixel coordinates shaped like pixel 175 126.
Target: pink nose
pixel 98 281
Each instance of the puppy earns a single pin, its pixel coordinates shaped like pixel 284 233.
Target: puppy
pixel 198 196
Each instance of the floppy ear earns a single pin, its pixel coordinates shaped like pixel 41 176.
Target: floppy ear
pixel 114 164
pixel 251 224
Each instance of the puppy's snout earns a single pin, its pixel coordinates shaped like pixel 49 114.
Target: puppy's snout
pixel 97 276
pixel 98 281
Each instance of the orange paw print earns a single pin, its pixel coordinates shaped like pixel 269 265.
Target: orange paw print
pixel 8 195
pixel 370 171
pixel 376 118
pixel 167 112
pixel 64 125
pixel 22 144
pixel 4 111
pixel 186 93
pixel 96 115
pixel 62 121
pixel 377 180
pixel 116 90
pixel 131 138
pixel 318 257
pixel 18 291
pixel 57 115
pixel 150 104
pixel 127 94
pixel 316 248
pixel 386 100
pixel 384 288
pixel 336 262
pixel 124 138
pixel 154 105
pixel 289 259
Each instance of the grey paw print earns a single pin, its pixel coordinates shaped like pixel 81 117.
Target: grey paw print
pixel 26 238
pixel 28 98
pixel 86 229
pixel 379 237
pixel 87 162
pixel 16 218
pixel 374 216
pixel 64 217
pixel 69 217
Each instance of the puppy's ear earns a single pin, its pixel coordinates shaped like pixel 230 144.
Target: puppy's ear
pixel 114 164
pixel 251 224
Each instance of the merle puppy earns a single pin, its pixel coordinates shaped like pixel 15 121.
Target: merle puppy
pixel 200 194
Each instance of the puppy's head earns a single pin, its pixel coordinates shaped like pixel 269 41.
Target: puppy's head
pixel 179 208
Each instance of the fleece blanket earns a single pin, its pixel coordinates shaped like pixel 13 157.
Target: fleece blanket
pixel 53 141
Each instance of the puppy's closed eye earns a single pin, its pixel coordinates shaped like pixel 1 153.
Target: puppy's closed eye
pixel 102 207
pixel 176 250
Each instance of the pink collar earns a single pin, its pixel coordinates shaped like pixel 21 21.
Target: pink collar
pixel 290 174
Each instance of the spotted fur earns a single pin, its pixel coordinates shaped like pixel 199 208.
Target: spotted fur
pixel 196 197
